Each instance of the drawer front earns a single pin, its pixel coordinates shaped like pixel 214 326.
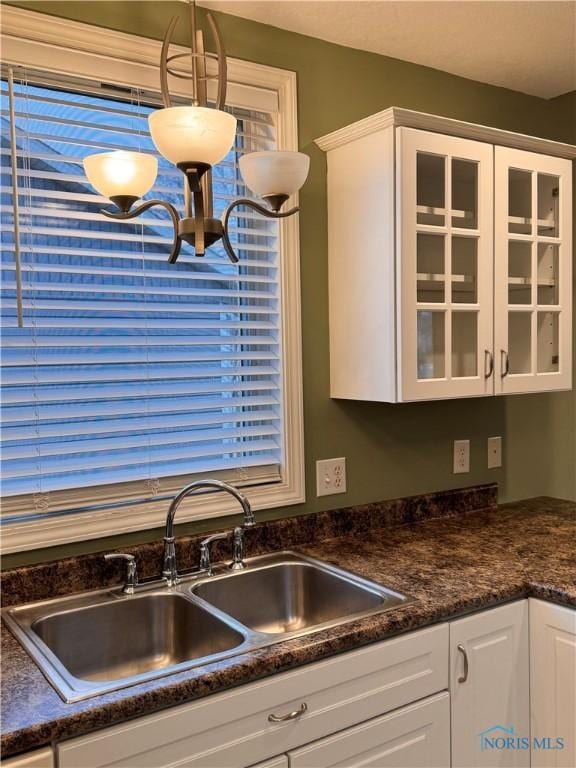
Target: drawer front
pixel 276 762
pixel 412 737
pixel 233 729
pixel 39 758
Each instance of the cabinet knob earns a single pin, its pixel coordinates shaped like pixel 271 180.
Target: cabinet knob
pixel 464 676
pixel 290 716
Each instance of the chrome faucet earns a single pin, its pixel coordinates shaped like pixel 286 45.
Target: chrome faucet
pixel 169 570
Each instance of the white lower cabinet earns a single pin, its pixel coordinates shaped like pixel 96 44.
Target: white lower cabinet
pixel 417 736
pixel 553 685
pixel 489 685
pixel 383 706
pixel 233 729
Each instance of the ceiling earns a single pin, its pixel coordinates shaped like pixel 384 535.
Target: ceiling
pixel 526 45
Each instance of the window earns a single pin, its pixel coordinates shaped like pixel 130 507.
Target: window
pixel 123 376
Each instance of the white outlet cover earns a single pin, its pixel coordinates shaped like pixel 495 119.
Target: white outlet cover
pixel 461 456
pixel 330 476
pixel 494 452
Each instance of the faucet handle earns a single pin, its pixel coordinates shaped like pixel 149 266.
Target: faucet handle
pixel 238 563
pixel 132 570
pixel 205 563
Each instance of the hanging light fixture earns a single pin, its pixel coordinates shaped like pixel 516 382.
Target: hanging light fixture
pixel 195 138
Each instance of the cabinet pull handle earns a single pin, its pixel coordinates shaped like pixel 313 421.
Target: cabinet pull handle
pixel 290 716
pixel 488 356
pixel 506 363
pixel 463 677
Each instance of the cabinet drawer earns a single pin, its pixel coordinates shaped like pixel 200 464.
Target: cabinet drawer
pixel 276 762
pixel 39 758
pixel 418 735
pixel 232 728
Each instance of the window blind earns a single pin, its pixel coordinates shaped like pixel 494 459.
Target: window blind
pixel 121 368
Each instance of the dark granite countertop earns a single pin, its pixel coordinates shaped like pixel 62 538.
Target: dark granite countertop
pixel 453 564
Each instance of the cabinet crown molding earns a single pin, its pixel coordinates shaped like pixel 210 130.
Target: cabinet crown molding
pixel 396 116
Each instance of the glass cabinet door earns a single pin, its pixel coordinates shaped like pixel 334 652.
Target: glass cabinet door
pixel 445 263
pixel 533 278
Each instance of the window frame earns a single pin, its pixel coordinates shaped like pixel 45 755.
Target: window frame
pixel 61 46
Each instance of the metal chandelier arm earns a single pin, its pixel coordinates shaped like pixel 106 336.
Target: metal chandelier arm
pixel 261 209
pixel 134 212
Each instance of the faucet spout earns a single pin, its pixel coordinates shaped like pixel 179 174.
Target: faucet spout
pixel 169 570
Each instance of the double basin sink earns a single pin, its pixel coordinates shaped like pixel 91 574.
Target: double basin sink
pixel 102 641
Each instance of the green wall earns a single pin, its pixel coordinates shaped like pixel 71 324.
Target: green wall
pixel 391 450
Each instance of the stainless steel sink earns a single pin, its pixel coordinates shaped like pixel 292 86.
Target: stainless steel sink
pixel 290 594
pixel 124 638
pixel 101 641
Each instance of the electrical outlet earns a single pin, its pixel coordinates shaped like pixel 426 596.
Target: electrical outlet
pixel 494 452
pixel 461 456
pixel 330 476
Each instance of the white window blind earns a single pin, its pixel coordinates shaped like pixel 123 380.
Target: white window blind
pixel 122 370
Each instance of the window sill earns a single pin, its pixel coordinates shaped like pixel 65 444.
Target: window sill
pixel 40 533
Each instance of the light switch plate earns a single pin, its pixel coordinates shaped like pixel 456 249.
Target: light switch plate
pixel 494 452
pixel 461 456
pixel 330 476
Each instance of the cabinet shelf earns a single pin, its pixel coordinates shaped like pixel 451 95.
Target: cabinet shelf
pixel 522 282
pixel 429 210
pixel 425 277
pixel 527 222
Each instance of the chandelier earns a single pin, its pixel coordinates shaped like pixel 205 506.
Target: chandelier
pixel 195 138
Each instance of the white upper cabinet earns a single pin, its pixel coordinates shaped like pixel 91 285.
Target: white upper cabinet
pixel 449 260
pixel 533 258
pixel 445 235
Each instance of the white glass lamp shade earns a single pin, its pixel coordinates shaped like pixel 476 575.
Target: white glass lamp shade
pixel 275 172
pixel 192 134
pixel 121 173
